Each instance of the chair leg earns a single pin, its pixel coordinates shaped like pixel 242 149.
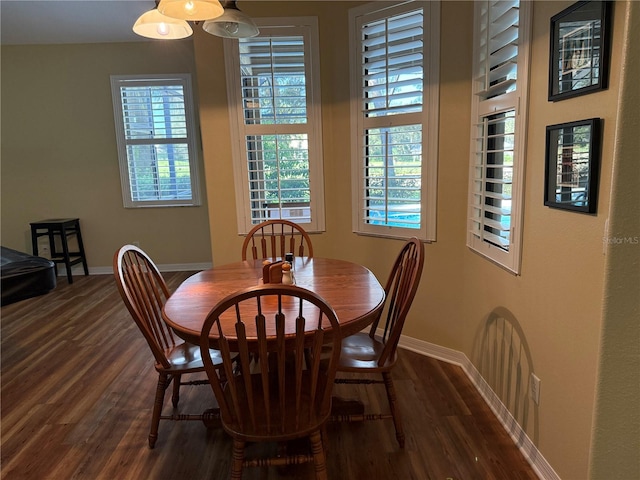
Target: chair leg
pixel 157 409
pixel 319 460
pixel 237 459
pixel 393 404
pixel 175 398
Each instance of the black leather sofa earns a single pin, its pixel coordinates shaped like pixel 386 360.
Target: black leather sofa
pixel 25 276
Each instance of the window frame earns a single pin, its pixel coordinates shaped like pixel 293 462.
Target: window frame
pixel 308 28
pixel 428 118
pixel 517 101
pixel 191 140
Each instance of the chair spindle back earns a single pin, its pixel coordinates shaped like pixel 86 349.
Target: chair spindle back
pixel 275 238
pixel 144 292
pixel 400 290
pixel 280 385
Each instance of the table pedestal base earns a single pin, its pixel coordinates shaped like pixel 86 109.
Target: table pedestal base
pixel 211 418
pixel 343 410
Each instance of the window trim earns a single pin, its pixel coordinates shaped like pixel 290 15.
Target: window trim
pixel 429 117
pixel 308 27
pixel 517 100
pixel 183 79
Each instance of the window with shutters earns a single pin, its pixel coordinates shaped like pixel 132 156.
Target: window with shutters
pixel 155 133
pixel 500 86
pixel 394 114
pixel 273 88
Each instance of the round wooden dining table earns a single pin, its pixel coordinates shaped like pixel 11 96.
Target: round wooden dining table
pixel 352 290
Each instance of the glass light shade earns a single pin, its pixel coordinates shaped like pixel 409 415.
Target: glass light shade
pixel 232 24
pixel 153 24
pixel 191 9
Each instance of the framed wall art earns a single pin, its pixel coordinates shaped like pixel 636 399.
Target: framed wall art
pixel 580 45
pixel 573 165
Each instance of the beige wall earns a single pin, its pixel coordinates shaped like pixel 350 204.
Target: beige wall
pixel 616 439
pixel 59 156
pixel 558 299
pixel 338 240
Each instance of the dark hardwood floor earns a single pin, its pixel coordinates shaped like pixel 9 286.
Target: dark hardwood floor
pixel 78 384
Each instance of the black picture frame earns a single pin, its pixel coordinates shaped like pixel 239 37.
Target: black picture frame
pixel 579 49
pixel 572 165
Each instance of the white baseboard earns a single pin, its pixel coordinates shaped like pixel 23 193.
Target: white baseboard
pixel 539 464
pixel 169 267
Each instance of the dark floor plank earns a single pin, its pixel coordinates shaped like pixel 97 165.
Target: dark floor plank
pixel 78 385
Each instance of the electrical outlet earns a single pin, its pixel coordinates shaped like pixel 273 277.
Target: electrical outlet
pixel 44 251
pixel 535 389
pixel 136 243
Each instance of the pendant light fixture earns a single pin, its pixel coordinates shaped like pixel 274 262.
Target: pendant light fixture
pixel 231 24
pixel 153 24
pixel 194 10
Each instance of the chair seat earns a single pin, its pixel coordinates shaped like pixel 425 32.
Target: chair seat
pixel 186 358
pixel 360 351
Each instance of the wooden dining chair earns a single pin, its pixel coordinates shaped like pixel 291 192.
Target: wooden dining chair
pixel 374 354
pixel 144 292
pixel 275 238
pixel 281 390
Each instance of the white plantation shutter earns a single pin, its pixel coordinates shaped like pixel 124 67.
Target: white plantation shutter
pixel 278 168
pixel 392 59
pixel 395 78
pixel 501 50
pixel 154 130
pixel 393 176
pixel 276 125
pixel 272 74
pixel 497 48
pixel 492 180
pixel 273 77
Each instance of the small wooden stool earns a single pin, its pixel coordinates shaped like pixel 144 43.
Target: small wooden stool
pixel 63 228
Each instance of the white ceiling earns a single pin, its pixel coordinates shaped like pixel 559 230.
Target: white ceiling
pixel 70 21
